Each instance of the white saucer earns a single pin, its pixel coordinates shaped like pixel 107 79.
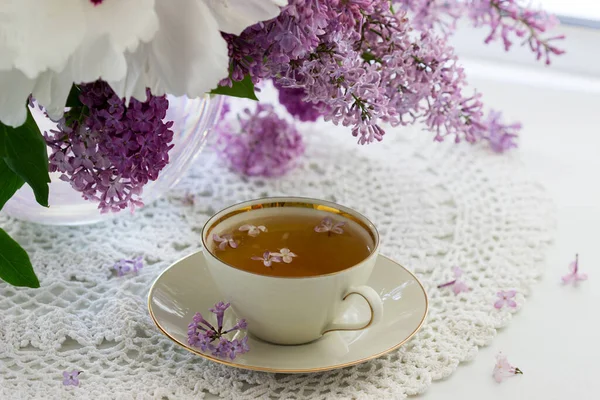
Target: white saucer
pixel 186 287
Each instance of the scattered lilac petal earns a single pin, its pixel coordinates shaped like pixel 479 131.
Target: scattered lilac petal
pixel 71 378
pixel 458 286
pixel 506 298
pixel 574 276
pixel 124 266
pixel 503 369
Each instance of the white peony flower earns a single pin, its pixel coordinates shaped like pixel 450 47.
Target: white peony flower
pixel 170 46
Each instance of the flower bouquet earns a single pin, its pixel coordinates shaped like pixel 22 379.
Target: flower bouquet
pixel 365 64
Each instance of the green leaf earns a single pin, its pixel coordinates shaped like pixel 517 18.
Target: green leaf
pixel 243 88
pixel 73 99
pixel 24 152
pixel 15 266
pixel 9 183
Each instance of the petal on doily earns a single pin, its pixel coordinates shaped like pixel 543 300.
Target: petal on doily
pixel 38 35
pixel 233 16
pixel 16 87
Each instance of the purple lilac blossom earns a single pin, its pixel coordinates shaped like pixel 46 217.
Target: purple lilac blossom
pixel 506 298
pixel 264 145
pixel 71 378
pixel 124 266
pixel 111 151
pixel 203 334
pixel 360 66
pixel 508 20
pixel 293 101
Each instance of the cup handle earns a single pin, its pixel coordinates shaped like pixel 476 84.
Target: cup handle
pixel 375 304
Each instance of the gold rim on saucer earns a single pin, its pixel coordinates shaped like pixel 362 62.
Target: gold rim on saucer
pixel 289 371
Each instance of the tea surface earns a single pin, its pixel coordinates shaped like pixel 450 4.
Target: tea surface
pixel 291 243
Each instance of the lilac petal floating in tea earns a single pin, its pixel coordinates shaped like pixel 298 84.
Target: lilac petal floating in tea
pixel 286 255
pixel 268 258
pixel 224 241
pixel 328 225
pixel 253 231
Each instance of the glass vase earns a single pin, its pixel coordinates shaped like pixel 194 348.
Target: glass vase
pixel 193 120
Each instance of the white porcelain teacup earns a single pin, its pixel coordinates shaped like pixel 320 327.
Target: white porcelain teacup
pixel 293 310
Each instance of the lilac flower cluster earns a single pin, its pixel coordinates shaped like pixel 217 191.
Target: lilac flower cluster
pixel 108 151
pixel 508 20
pixel 293 100
pixel 264 145
pixel 357 63
pixel 202 334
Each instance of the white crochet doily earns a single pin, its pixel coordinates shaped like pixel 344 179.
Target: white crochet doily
pixel 436 205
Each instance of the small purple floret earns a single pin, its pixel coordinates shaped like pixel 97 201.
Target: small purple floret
pixel 203 334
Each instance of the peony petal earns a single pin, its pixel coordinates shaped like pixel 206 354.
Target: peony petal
pixel 135 81
pixel 187 56
pixel 16 87
pixel 125 23
pixel 39 35
pixel 233 16
pixel 51 90
pixel 97 58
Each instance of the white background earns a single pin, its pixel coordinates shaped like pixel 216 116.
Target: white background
pixel 555 338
